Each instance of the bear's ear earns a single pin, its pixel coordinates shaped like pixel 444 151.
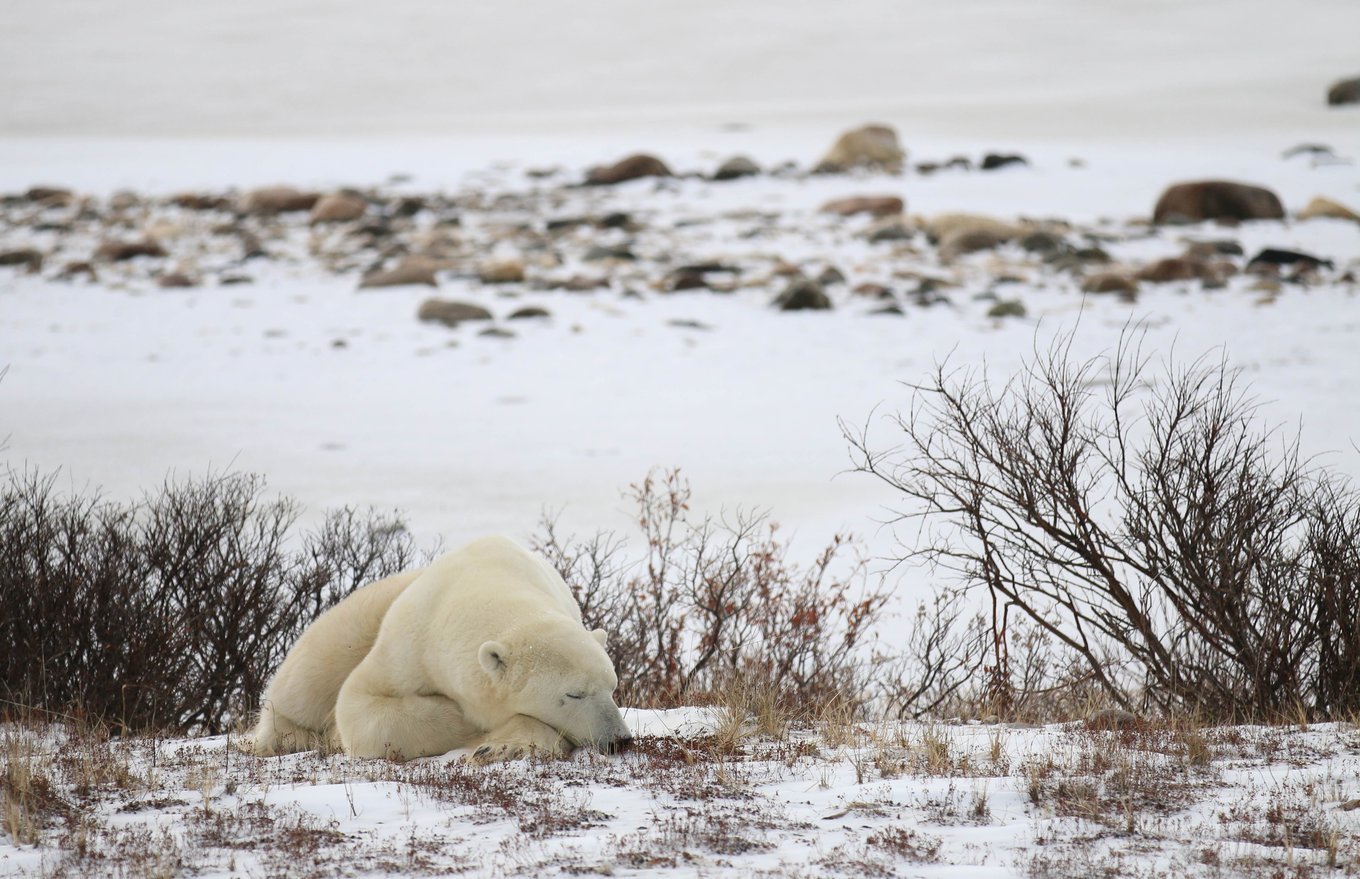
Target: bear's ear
pixel 602 636
pixel 493 656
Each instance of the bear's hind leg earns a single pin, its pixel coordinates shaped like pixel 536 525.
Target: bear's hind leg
pixel 375 724
pixel 518 737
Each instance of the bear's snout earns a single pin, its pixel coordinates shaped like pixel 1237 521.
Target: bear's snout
pixel 617 746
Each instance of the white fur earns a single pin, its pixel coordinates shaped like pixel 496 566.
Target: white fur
pixel 484 648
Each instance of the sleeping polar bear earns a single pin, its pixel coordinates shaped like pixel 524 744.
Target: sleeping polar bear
pixel 483 649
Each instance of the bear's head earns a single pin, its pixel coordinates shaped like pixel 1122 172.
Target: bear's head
pixel 558 672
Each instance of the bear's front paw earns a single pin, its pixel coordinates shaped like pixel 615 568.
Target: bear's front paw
pixel 498 752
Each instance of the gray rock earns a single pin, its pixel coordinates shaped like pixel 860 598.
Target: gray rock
pixel 451 313
pixel 803 295
pixel 735 168
pixel 1347 91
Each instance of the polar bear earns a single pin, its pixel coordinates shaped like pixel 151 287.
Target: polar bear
pixel 484 649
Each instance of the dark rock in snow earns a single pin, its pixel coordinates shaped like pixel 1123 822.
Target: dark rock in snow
pixel 24 256
pixel 875 205
pixel 1347 91
pixel 1274 256
pixel 992 161
pixel 631 168
pixel 1216 200
pixel 118 251
pixel 803 295
pixel 736 168
pixel 450 313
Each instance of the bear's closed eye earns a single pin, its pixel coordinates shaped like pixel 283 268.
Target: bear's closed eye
pixel 576 695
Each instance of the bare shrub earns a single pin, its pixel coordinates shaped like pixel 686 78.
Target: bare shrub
pixel 1173 551
pixel 717 603
pixel 169 612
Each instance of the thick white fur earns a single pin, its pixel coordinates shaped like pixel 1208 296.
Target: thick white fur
pixel 484 648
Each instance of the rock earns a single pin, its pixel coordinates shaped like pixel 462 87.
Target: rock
pixel 175 280
pixel 874 205
pixel 1176 268
pixel 501 271
pixel 251 245
pixel 891 231
pixel 830 276
pixel 1326 208
pixel 942 226
pixel 870 146
pixel 736 168
pixel 72 269
pixel 599 252
pixel 124 200
pixel 685 279
pixel 118 251
pixel 1007 308
pixel 580 284
pixel 50 195
pixel 1274 256
pixel 528 312
pixel 892 309
pixel 1309 149
pixel 1216 247
pixel 195 201
pixel 28 257
pixel 338 207
pixel 1043 243
pixel 450 313
pixel 407 272
pixel 1110 282
pixel 688 324
pixel 497 333
pixel 992 161
pixel 631 168
pixel 1347 91
pixel 1113 720
pixel 803 295
pixel 615 220
pixel 278 200
pixel 1216 200
pixel 965 239
pixel 873 291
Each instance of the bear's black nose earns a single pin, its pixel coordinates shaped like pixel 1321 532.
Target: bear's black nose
pixel 618 746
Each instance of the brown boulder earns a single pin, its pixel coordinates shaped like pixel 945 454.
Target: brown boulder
pixel 501 271
pixel 24 256
pixel 874 205
pixel 1326 208
pixel 869 146
pixel 339 207
pixel 278 200
pixel 1347 91
pixel 803 295
pixel 407 272
pixel 198 201
pixel 175 280
pixel 1110 282
pixel 118 251
pixel 736 168
pixel 1216 200
pixel 50 195
pixel 632 168
pixel 450 313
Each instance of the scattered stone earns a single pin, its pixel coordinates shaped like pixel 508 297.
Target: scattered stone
pixel 1347 91
pixel 1326 208
pixel 450 313
pixel 892 308
pixel 993 161
pixel 965 240
pixel 1043 243
pixel 1176 268
pixel 943 225
pixel 1111 282
pixel 501 271
pixel 889 232
pixel 497 333
pixel 1007 308
pixel 580 284
pixel 527 312
pixel 1216 200
pixel 1275 256
pixel 1216 247
pixel 72 270
pixel 685 324
pixel 830 276
pixel 736 168
pixel 631 168
pixel 50 195
pixel 119 251
pixel 1113 720
pixel 278 200
pixel 599 252
pixel 685 279
pixel 1308 149
pixel 338 207
pixel 408 272
pixel 251 246
pixel 615 220
pixel 873 291
pixel 175 281
pixel 197 201
pixel 874 147
pixel 123 200
pixel 803 295
pixel 28 257
pixel 409 205
pixel 875 205
pixel 234 280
